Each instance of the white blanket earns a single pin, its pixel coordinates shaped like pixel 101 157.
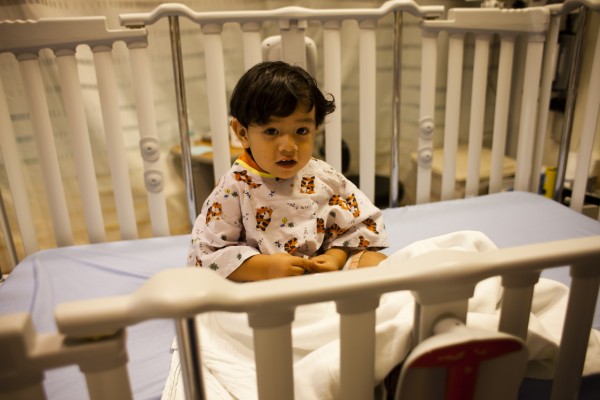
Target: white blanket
pixel 227 348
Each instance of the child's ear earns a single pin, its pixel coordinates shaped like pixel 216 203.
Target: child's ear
pixel 241 132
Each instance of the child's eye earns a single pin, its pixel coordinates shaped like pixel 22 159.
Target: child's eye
pixel 302 131
pixel 271 131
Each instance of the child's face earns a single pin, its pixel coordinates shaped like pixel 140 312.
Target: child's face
pixel 282 146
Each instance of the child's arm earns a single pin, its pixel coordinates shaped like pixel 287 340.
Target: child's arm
pixel 269 266
pixel 335 258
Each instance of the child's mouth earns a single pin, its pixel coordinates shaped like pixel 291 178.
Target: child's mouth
pixel 286 163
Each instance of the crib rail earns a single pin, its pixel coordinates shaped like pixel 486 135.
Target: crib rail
pixel 592 105
pixel 292 22
pixel 91 330
pixel 285 13
pixel 182 293
pixel 507 25
pixel 29 42
pixel 538 28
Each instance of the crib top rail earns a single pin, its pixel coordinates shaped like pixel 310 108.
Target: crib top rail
pixel 571 5
pixel 498 21
pixel 22 37
pixel 292 12
pixel 184 292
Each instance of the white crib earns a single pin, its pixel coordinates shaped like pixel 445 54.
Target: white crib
pixel 535 235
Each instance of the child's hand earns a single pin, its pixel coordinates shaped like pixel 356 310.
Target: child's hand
pixel 283 264
pixel 325 263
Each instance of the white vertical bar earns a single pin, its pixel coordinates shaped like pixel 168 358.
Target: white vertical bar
pixel 14 173
pixel 426 116
pixel 531 85
pixel 252 44
pixel 480 72
pixel 367 107
pixel 109 384
pixel 215 85
pixel 107 378
pixel 357 348
pixel 505 66
pixel 80 145
pixel 149 144
pixel 46 148
pixel 590 120
pixel 332 52
pixel 109 101
pixel 548 72
pixel 514 316
pixel 452 119
pixel 273 353
pixel 583 294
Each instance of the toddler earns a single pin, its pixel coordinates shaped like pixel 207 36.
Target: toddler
pixel 278 211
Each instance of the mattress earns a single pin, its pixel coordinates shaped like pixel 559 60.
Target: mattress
pixel 50 277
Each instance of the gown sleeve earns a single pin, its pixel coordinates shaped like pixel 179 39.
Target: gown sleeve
pixel 218 236
pixel 353 220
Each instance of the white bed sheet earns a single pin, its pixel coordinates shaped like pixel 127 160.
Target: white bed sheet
pixel 51 277
pixel 228 350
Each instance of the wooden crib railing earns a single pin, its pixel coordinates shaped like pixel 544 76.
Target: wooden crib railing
pixel 92 331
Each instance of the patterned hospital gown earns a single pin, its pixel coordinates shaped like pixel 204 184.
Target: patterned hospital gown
pixel 251 212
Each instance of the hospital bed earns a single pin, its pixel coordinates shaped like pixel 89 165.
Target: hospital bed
pixel 109 306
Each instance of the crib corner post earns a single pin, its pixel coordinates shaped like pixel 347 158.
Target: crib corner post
pixel 106 374
pixel 17 340
pixel 579 317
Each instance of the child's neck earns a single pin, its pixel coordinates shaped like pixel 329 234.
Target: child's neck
pixel 247 159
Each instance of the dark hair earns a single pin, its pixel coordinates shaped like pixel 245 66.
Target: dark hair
pixel 275 88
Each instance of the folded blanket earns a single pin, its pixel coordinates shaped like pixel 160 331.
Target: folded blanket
pixel 227 344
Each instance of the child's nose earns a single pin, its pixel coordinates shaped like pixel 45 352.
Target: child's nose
pixel 288 144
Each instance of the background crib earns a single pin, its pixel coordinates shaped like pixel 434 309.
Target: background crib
pixel 30 352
